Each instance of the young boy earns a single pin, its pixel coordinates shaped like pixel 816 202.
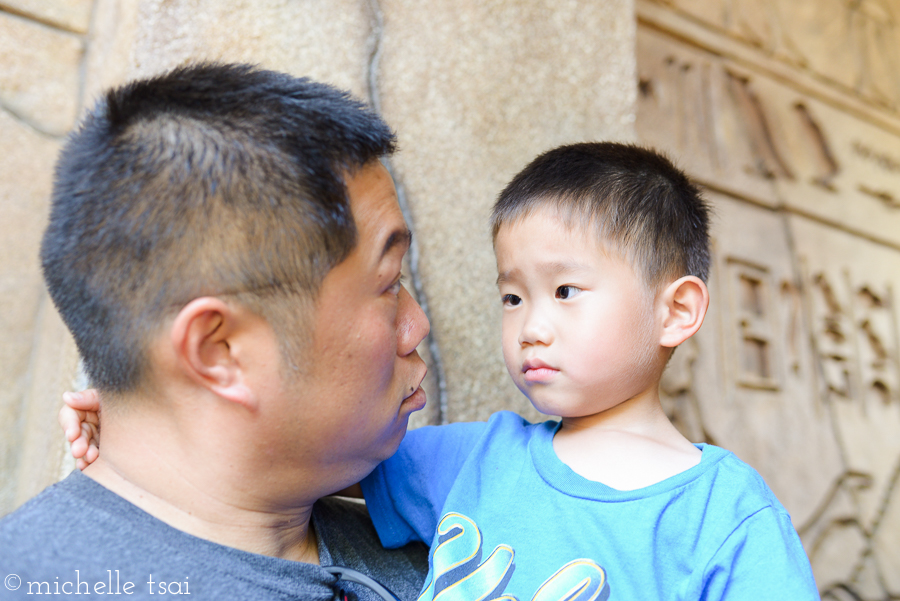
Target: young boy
pixel 602 254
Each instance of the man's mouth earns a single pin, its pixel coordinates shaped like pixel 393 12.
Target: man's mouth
pixel 415 401
pixel 415 398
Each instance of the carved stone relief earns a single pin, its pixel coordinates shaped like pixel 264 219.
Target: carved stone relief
pixel 759 139
pixel 851 43
pixel 853 320
pixel 691 106
pixel 797 368
pixel 756 138
pixel 754 373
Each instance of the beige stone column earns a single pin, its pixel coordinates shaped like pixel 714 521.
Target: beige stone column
pixel 476 90
pixel 42 44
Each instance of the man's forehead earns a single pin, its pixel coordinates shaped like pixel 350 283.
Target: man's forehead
pixel 376 211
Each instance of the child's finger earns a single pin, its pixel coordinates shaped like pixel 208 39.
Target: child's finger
pixel 85 400
pixel 92 453
pixel 70 421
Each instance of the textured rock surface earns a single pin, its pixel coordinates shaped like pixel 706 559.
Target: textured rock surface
pixel 328 41
pixel 24 188
pixel 475 91
pixel 39 78
pixel 74 15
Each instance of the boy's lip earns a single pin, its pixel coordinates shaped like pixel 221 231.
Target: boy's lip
pixel 535 363
pixel 537 371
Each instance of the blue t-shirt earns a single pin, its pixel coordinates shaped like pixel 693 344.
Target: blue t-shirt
pixel 505 516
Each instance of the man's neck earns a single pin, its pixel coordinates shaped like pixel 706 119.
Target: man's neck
pixel 209 497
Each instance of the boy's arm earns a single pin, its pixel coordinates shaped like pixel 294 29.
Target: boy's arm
pixel 762 559
pixel 79 418
pixel 406 493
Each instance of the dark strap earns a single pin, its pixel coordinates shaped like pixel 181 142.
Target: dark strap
pixel 351 575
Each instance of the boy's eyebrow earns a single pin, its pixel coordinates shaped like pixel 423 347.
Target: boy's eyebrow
pixel 551 268
pixel 397 238
pixel 503 277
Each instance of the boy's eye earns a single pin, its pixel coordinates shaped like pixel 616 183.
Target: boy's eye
pixel 511 300
pixel 565 292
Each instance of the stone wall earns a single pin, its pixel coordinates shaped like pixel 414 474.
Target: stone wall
pixel 43 46
pixel 787 112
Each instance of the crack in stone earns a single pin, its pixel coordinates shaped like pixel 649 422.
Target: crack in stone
pixel 28 123
pixel 10 10
pixel 415 276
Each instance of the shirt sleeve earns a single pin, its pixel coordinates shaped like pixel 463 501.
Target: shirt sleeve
pixel 761 559
pixel 405 494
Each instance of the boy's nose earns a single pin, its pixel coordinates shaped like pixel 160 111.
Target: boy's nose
pixel 536 329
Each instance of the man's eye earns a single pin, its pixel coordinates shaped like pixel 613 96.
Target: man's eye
pixel 396 286
pixel 511 300
pixel 565 292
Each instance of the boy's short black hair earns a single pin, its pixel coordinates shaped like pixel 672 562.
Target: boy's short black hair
pixel 208 180
pixel 641 205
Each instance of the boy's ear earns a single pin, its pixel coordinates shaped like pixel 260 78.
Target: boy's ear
pixel 684 303
pixel 201 338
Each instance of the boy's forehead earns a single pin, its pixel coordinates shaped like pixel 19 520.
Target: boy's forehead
pixel 556 244
pixel 547 223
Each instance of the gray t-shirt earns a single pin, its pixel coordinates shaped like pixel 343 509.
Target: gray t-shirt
pixel 79 538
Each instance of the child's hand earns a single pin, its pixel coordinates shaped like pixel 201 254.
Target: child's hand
pixel 80 420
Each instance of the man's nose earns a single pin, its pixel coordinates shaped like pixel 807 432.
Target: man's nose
pixel 412 324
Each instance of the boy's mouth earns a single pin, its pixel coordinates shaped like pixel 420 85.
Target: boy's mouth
pixel 536 371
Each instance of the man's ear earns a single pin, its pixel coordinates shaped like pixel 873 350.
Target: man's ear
pixel 684 303
pixel 201 341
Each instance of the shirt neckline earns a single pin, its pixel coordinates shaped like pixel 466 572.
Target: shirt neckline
pixel 564 479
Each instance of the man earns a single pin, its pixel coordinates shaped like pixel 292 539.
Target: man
pixel 225 247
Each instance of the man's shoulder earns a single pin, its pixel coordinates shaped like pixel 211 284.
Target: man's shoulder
pixel 69 523
pixel 59 534
pixel 37 522
pixel 81 536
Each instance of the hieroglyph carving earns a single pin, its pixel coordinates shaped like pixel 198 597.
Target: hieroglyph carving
pixel 884 161
pixel 757 361
pixel 713 119
pixel 850 43
pixel 756 138
pixel 855 336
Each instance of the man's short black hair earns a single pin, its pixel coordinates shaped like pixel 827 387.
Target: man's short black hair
pixel 208 180
pixel 640 204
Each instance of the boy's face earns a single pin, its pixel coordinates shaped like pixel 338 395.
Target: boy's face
pixel 580 332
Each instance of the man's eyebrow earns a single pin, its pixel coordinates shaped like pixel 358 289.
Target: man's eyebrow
pixel 397 238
